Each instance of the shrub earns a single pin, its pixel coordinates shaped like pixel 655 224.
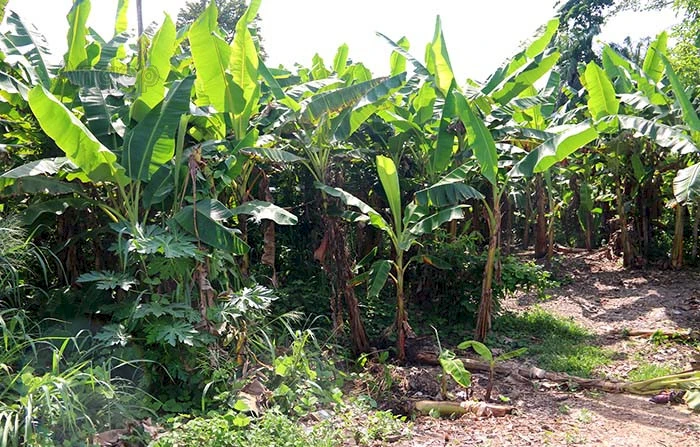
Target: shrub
pixel 453 294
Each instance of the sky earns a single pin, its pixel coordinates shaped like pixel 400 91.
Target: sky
pixel 479 34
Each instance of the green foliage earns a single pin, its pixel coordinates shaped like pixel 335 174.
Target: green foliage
pixel 230 13
pixel 486 355
pixel 372 426
pixel 304 378
pixel 181 143
pixel 55 389
pixel 223 430
pixel 455 368
pixel 448 297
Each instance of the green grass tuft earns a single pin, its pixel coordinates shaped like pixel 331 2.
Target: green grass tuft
pixel 648 371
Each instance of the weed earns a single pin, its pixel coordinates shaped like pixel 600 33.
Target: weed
pixel 648 371
pixel 451 296
pixel 585 416
pixel 221 430
pixel 573 438
pixel 381 426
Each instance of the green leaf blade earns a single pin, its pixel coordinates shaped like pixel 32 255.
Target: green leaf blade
pixel 483 143
pixel 601 93
pixel 77 19
pixel 151 143
pixel 79 144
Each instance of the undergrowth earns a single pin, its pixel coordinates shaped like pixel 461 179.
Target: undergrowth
pixel 272 429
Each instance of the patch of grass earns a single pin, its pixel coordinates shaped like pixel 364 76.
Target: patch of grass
pixel 380 426
pixel 648 371
pixel 585 416
pixel 555 343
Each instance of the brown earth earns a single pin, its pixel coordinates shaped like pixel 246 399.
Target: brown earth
pixel 607 300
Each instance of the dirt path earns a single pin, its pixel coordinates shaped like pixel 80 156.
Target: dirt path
pixel 607 300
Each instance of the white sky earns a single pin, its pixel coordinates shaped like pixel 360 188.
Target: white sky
pixel 479 34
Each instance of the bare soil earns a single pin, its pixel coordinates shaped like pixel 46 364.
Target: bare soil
pixel 607 300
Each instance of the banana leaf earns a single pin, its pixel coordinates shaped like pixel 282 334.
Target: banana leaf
pixel 665 136
pixel 56 207
pixel 204 220
pixel 80 146
pixel 419 68
pixel 438 60
pixel 260 210
pixel 525 77
pixel 37 184
pixel 151 143
pixel 378 275
pixel 46 166
pixel 212 57
pixel 479 138
pixel 150 80
pixel 441 156
pixel 690 115
pixel 77 55
pixel 371 102
pixel 601 93
pixel 653 64
pixel 389 178
pixel 337 100
pixel 554 150
pixel 686 185
pixel 32 45
pixel 450 190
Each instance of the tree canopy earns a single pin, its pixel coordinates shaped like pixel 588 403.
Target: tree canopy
pixel 230 12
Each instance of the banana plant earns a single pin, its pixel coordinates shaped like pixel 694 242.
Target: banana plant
pixel 460 131
pixel 140 165
pixel 605 105
pixel 686 185
pixel 323 115
pixel 404 228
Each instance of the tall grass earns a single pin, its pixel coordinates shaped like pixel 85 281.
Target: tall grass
pixel 21 262
pixel 52 389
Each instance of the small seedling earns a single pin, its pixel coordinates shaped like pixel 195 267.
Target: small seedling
pixel 453 366
pixel 486 354
pixel 585 416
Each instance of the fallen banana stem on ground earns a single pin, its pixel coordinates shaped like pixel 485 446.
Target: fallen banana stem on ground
pixel 668 333
pixel 535 373
pixel 444 408
pixel 685 380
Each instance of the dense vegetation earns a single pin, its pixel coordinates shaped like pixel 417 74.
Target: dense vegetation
pixel 180 223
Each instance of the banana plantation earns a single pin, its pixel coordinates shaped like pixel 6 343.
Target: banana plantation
pixel 198 248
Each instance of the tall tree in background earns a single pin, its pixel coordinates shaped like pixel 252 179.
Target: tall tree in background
pixel 580 22
pixel 684 55
pixel 230 12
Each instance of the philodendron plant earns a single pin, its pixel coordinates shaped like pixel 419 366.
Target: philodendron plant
pixel 406 226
